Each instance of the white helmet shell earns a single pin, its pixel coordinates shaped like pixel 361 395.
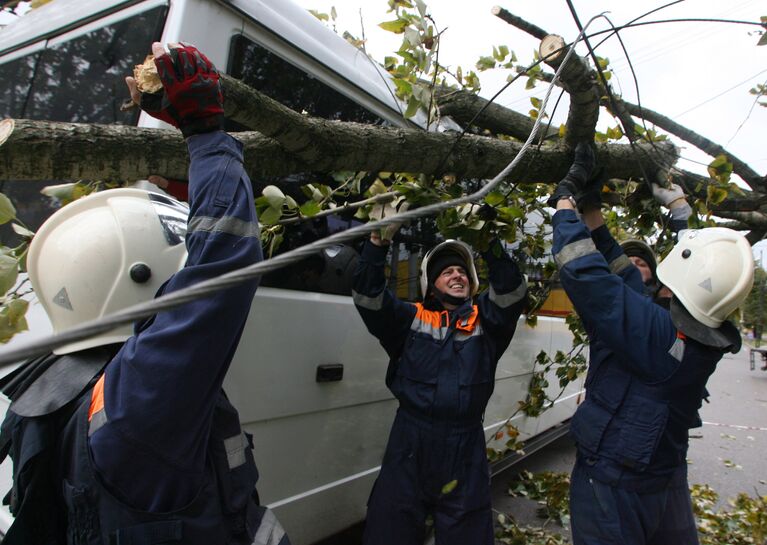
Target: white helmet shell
pixel 711 272
pixel 458 247
pixel 105 252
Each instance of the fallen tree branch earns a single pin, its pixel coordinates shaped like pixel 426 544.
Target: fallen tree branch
pixel 40 150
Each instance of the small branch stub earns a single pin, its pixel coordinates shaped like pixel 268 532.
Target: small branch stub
pixel 552 49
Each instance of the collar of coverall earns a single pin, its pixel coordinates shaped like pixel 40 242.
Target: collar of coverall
pixel 44 385
pixel 726 337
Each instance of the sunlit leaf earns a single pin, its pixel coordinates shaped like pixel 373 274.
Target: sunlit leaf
pixel 274 196
pixel 397 26
pixel 495 198
pixel 22 231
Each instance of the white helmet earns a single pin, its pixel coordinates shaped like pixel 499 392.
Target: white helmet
pixel 710 271
pixel 450 246
pixel 103 253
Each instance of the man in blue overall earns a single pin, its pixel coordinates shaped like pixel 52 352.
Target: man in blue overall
pixel 443 355
pixel 130 439
pixel 648 368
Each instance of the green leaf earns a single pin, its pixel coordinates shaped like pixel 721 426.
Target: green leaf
pixel 318 15
pixel 716 195
pixel 397 26
pixel 274 196
pixel 9 271
pixel 7 210
pixel 412 107
pixel 22 231
pixel 449 487
pixel 763 39
pixel 536 102
pixel 310 208
pixel 512 212
pixel 404 88
pixel 485 63
pixel 270 216
pixel 495 198
pixel 421 7
pixel 12 319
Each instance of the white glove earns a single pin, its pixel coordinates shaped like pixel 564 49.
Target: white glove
pixel 667 195
pixel 392 208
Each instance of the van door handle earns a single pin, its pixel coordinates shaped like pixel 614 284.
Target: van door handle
pixel 330 372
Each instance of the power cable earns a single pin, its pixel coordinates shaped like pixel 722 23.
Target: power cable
pixel 720 94
pixel 207 287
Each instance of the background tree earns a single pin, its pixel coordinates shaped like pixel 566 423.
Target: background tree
pixel 755 308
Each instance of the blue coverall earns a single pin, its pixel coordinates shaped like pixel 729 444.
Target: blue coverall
pixel 645 384
pixel 442 371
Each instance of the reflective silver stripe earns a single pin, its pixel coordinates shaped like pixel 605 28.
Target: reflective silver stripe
pixel 270 531
pixel 235 450
pixel 619 263
pixel 370 303
pixel 97 420
pixel 464 335
pixel 505 300
pixel 437 333
pixel 574 250
pixel 226 224
pixel 677 350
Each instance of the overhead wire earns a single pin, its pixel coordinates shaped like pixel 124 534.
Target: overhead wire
pixel 174 299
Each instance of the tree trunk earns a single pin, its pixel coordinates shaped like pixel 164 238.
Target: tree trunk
pixel 39 150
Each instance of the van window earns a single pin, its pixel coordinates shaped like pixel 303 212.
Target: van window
pixel 17 76
pixel 81 80
pixel 291 86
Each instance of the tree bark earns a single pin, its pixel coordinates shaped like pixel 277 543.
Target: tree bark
pixel 463 107
pixel 578 80
pixel 39 150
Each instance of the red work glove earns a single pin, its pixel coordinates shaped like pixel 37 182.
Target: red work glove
pixel 192 99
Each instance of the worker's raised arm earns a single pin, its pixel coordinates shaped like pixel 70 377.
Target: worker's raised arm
pixel 160 391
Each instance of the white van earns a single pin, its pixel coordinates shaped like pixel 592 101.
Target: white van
pixel 308 379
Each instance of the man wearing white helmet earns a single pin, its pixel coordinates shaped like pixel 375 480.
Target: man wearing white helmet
pixel 648 367
pixel 127 437
pixel 443 354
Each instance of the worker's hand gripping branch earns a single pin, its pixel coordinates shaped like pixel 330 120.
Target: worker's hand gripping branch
pixel 191 98
pixel 577 183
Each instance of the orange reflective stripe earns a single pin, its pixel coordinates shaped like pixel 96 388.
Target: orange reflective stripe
pixel 469 323
pixel 431 317
pixel 97 398
pixel 680 335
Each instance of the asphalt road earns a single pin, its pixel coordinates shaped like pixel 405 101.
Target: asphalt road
pixel 729 452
